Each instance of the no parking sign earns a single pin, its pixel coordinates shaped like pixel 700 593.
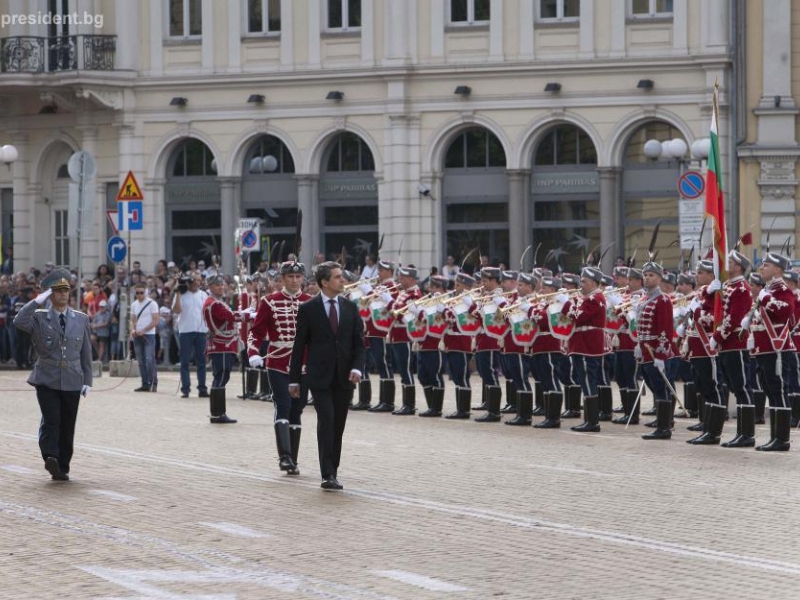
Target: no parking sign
pixel 250 235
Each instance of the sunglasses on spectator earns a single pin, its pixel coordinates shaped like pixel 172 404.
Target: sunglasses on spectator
pixel 140 293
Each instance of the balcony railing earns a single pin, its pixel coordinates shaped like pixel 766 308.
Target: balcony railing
pixel 29 54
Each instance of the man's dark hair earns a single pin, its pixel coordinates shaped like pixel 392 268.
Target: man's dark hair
pixel 322 272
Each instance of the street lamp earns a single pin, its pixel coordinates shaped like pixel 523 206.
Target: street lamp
pixel 8 154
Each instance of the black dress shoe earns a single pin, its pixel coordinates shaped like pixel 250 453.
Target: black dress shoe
pixel 382 407
pixel 144 388
pixel 223 419
pixel 404 410
pixel 331 483
pixel 51 464
pixel 203 394
pixel 185 395
pixel 740 441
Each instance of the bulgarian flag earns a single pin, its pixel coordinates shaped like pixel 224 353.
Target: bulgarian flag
pixel 715 203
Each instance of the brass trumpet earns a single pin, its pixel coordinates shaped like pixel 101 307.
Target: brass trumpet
pixel 424 301
pixel 355 284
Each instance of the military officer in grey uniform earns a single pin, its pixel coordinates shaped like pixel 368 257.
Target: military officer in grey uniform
pixel 63 371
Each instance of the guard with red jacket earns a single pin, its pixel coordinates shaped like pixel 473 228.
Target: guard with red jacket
pixel 791 368
pixel 731 343
pixel 376 336
pixel 276 321
pixel 771 322
pixel 222 345
pixel 487 348
pixel 458 350
pixel 586 345
pixel 430 359
pixel 547 356
pixel 655 328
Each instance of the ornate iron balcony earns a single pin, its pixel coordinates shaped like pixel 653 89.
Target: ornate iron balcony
pixel 30 54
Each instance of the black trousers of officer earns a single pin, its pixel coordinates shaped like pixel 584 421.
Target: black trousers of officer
pixel 735 364
pixel 458 365
pixel 772 367
pixel 706 378
pixel 654 380
pixel 57 428
pixel 402 361
pixel 625 372
pixel 484 362
pixel 584 372
pixel 286 408
pixel 546 367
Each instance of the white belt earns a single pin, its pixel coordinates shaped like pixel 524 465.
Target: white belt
pixel 588 328
pixel 281 344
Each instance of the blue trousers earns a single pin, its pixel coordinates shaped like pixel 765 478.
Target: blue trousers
pixel 430 368
pixel 585 371
pixel 145 348
pixel 458 365
pixel 515 371
pixel 545 370
pixel 286 408
pixel 625 370
pixel 380 358
pixel 735 364
pixel 193 344
pixel 402 361
pixel 221 365
pixel 484 362
pixel 654 381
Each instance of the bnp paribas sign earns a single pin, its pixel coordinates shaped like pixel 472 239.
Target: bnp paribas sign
pixel 570 182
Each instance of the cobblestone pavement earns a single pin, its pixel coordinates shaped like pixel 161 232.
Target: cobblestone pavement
pixel 164 505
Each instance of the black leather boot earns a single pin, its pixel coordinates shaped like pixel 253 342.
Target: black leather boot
pixel 794 400
pixel 409 397
pixel 745 427
pixel 701 415
pixel 591 416
pixel 511 399
pixel 664 417
pixel 524 409
pixel 552 405
pixel 605 403
pixel 780 440
pixel 484 405
pixel 760 401
pixel 626 398
pixel 715 419
pixel 538 398
pixel 689 402
pixel 364 395
pixel 463 400
pixel 495 398
pixel 294 435
pixel 431 401
pixel 217 403
pixel 283 441
pixel 385 397
pixel 265 390
pixel 250 383
pixel 438 399
pixel 572 402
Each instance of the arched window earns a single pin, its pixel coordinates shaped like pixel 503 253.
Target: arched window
pixel 649 194
pixel 565 194
pixel 348 152
pixel 192 158
pixel 565 145
pixel 268 156
pixel 475 190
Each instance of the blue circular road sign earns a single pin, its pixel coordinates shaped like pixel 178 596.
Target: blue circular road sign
pixel 117 249
pixel 249 239
pixel 691 184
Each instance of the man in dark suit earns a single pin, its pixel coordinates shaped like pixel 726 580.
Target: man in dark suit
pixel 330 330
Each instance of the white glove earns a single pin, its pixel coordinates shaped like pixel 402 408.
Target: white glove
pixel 42 298
pixel 631 316
pixel 746 322
pixel 85 391
pixel 499 300
pixel 659 364
pixel 440 308
pixel 256 361
pixel 751 343
pixel 563 298
pixel 250 310
pixel 714 286
pixel 694 304
pixel 614 299
pixel 525 306
pixel 468 301
pixel 681 331
pixel 637 352
pixel 386 297
pixel 414 309
pixel 365 287
pixel 763 294
pixel 712 343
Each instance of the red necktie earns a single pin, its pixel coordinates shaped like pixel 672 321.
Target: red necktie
pixel 333 317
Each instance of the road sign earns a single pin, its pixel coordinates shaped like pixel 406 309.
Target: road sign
pixel 691 185
pixel 129 216
pixel 116 249
pixel 690 221
pixel 250 241
pixel 81 163
pixel 130 189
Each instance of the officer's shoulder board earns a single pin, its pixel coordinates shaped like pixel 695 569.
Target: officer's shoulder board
pixel 80 313
pixel 42 310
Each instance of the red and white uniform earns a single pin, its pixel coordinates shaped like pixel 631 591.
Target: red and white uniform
pixel 399 333
pixel 774 319
pixel 544 342
pixel 223 336
pixel 699 335
pixel 655 327
pixel 509 346
pixel 796 329
pixel 387 285
pixel 483 341
pixel 453 340
pixel 736 303
pixel 626 342
pixel 588 313
pixel 276 321
pixel 242 302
